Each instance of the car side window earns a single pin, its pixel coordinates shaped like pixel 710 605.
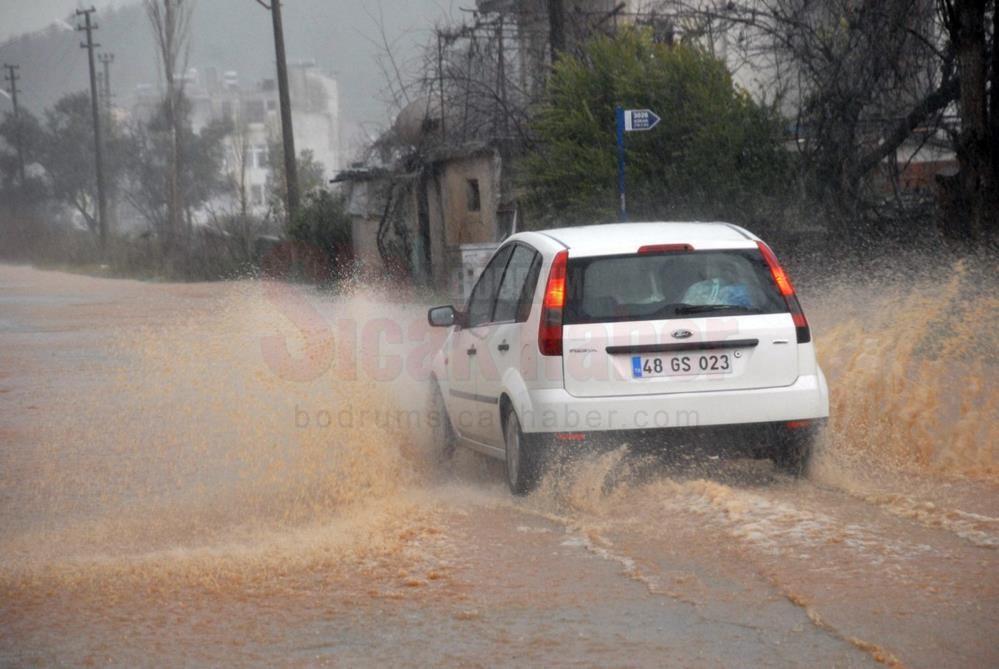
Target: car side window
pixel 511 291
pixel 480 304
pixel 527 296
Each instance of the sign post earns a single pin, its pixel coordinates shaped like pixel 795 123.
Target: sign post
pixel 622 208
pixel 629 120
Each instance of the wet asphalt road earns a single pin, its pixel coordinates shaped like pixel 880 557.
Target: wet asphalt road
pixel 177 489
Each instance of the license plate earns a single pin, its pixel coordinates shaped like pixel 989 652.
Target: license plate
pixel 643 366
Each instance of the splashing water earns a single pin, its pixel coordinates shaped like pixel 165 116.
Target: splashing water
pixel 912 368
pixel 911 363
pixel 188 459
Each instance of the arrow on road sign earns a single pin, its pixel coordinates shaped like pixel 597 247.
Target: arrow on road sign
pixel 629 120
pixel 640 120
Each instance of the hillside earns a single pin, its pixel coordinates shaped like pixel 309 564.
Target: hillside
pixel 340 35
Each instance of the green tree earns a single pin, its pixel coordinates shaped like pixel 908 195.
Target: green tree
pixel 311 177
pixel 149 163
pixel 26 129
pixel 67 153
pixel 323 229
pixel 716 153
pixel 21 220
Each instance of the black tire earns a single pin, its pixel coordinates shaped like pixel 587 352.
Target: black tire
pixel 443 438
pixel 523 462
pixel 794 452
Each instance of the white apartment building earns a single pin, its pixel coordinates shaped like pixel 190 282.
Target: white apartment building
pixel 254 113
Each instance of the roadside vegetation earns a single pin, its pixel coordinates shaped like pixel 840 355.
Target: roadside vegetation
pixel 826 151
pixel 51 217
pixel 716 154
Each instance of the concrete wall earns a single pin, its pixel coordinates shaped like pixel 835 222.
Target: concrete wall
pixel 366 205
pixel 452 223
pixel 365 232
pixel 461 224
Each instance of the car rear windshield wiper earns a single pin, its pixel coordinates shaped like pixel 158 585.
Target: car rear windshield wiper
pixel 704 308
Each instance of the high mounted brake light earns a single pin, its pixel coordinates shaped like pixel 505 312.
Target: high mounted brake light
pixel 550 329
pixel 665 248
pixel 787 292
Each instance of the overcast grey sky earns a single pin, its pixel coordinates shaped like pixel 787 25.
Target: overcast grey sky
pixel 21 16
pixel 342 36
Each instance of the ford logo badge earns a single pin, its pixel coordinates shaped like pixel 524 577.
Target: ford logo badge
pixel 682 334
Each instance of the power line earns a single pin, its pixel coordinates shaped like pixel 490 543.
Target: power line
pixel 89 45
pixel 11 77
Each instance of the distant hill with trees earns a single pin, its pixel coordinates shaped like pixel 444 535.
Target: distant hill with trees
pixel 342 36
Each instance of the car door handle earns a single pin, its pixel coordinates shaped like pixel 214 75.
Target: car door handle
pixel 471 351
pixel 504 347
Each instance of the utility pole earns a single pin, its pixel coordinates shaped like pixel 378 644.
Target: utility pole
pixel 501 78
pixel 106 60
pixel 111 192
pixel 441 37
pixel 89 45
pixel 287 131
pixel 12 76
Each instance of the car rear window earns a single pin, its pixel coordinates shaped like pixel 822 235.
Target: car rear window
pixel 670 285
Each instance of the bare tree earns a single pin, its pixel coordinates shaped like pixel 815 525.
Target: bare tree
pixel 171 24
pixel 863 77
pixel 238 163
pixel 388 62
pixel 850 72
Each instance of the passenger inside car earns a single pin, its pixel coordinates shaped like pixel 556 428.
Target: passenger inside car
pixel 725 285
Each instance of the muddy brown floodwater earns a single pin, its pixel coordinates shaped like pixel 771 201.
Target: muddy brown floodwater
pixel 235 474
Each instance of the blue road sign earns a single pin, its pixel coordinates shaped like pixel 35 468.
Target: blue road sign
pixel 629 120
pixel 640 120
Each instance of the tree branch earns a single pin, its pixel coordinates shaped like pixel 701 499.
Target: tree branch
pixel 928 106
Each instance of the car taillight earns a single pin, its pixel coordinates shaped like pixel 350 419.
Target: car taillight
pixel 787 292
pixel 550 330
pixel 665 248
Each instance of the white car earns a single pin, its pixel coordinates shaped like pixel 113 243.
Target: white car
pixel 653 334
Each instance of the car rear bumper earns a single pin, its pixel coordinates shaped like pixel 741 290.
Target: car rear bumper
pixel 555 410
pixel 754 440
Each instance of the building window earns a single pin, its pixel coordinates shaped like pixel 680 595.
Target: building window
pixel 260 157
pixel 254 111
pixel 257 195
pixel 472 196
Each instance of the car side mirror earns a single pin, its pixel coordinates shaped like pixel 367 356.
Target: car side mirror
pixel 443 317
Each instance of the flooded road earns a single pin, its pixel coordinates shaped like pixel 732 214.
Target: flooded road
pixel 235 474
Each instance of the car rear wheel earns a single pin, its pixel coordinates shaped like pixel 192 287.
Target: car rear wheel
pixel 443 438
pixel 522 461
pixel 794 452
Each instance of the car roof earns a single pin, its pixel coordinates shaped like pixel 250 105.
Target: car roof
pixel 611 238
